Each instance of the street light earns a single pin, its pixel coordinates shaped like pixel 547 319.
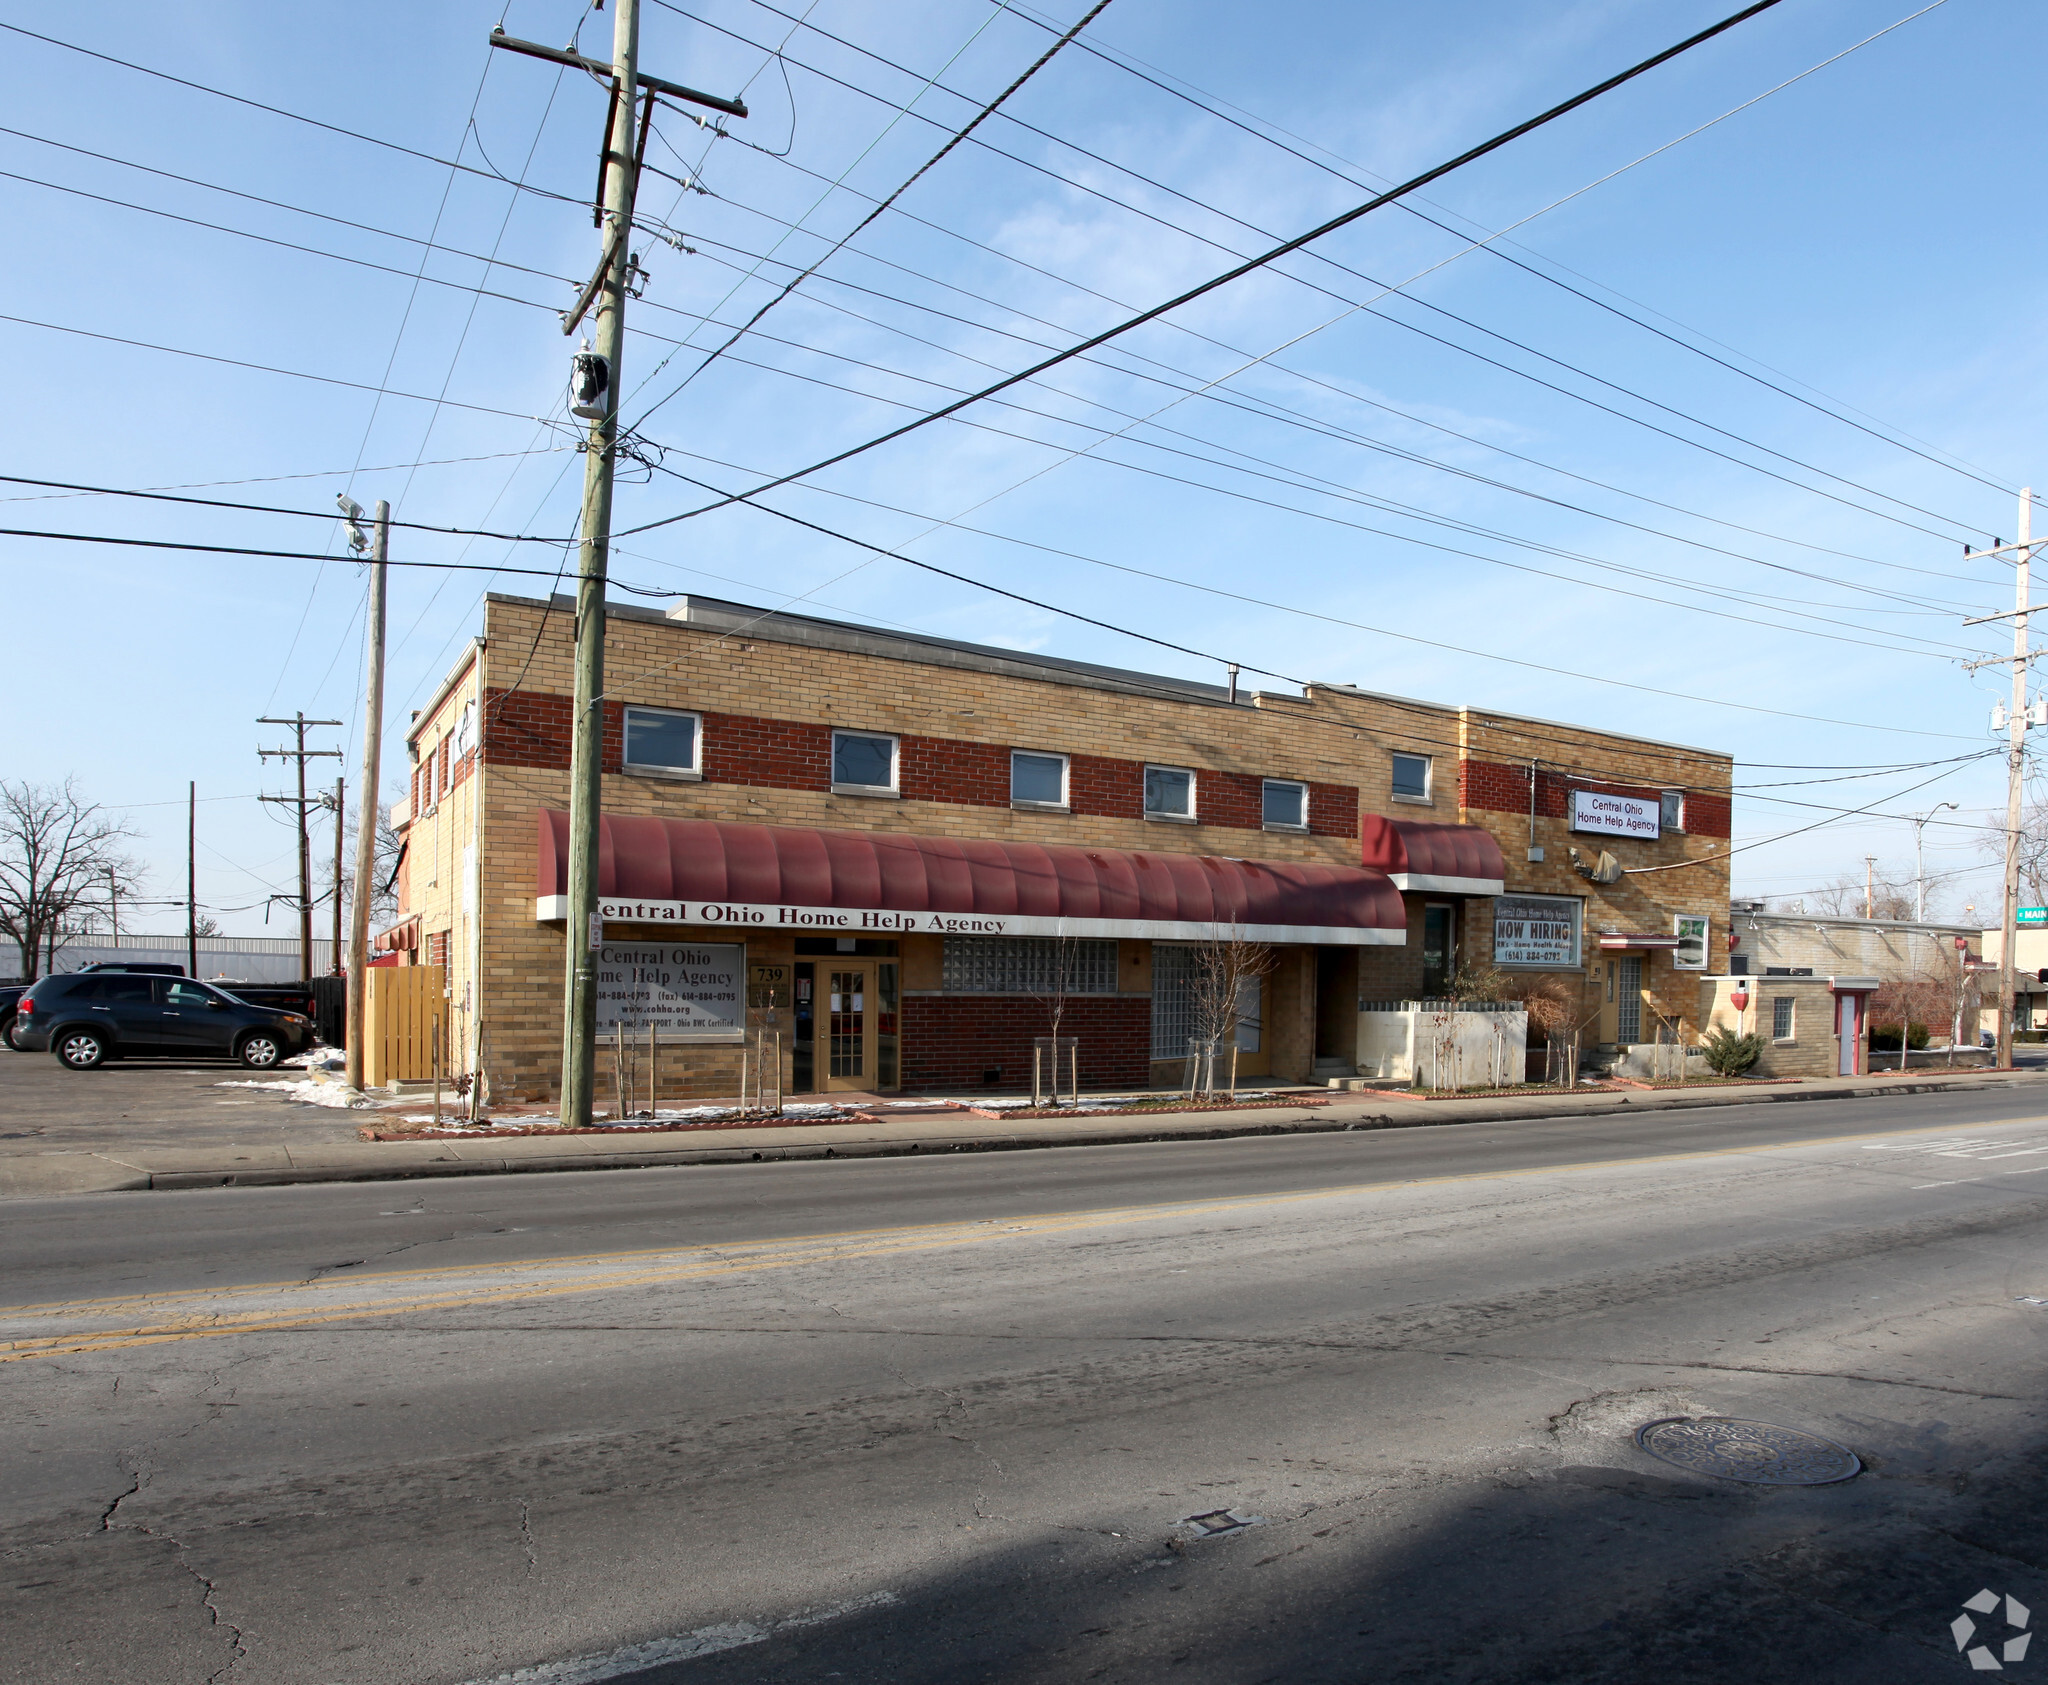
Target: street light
pixel 1919 871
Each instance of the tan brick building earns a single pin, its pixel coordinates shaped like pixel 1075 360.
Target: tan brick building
pixel 915 848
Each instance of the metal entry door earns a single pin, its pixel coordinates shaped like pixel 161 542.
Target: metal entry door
pixel 849 1026
pixel 1628 1015
pixel 1846 1038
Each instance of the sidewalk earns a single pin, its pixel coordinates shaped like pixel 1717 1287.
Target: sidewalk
pixel 31 1173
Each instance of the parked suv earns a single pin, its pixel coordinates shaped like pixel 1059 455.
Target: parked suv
pixel 151 967
pixel 9 994
pixel 88 1018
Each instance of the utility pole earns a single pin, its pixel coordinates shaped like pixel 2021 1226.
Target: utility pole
pixel 367 799
pixel 598 379
pixel 114 906
pixel 1919 865
pixel 1870 886
pixel 2014 718
pixel 334 951
pixel 192 878
pixel 300 754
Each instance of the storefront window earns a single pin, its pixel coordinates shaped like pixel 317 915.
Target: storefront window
pixel 888 1028
pixel 1438 949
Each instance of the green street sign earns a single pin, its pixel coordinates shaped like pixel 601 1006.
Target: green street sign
pixel 2031 915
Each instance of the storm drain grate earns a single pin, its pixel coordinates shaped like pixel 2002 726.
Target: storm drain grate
pixel 1761 1453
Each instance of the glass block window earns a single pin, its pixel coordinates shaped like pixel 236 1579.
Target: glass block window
pixel 1027 965
pixel 1173 1000
pixel 1285 804
pixel 1781 1018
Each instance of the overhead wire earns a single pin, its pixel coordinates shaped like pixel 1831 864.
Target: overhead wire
pixel 1424 303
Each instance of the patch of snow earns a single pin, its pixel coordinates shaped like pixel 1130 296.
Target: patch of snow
pixel 310 1093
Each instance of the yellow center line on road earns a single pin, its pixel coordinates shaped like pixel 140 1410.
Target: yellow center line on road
pixel 599 1272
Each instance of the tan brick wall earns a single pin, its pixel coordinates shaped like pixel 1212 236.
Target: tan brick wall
pixel 1331 736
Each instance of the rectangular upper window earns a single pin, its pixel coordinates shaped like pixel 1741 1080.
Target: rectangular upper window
pixel 1781 1018
pixel 1671 816
pixel 862 761
pixel 1283 805
pixel 1038 780
pixel 660 740
pixel 1411 778
pixel 1169 793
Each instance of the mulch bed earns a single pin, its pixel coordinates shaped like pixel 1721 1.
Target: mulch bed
pixel 1701 1082
pixel 508 1131
pixel 1145 1108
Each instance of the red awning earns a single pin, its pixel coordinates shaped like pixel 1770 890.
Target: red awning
pixel 404 935
pixel 1636 939
pixel 1421 854
pixel 774 877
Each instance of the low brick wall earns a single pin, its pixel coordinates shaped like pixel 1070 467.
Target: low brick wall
pixel 951 1041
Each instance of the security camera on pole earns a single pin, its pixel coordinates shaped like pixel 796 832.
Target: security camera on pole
pixel 595 384
pixel 2013 721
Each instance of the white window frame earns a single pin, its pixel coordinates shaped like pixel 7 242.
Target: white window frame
pixel 647 769
pixel 891 790
pixel 1192 816
pixel 1266 824
pixel 1064 804
pixel 1669 800
pixel 1428 796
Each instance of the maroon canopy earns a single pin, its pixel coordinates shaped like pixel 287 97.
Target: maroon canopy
pixel 1422 854
pixel 1021 888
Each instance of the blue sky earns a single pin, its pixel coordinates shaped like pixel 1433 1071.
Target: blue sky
pixel 1853 239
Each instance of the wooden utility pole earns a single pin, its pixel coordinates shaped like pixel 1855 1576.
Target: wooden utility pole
pixel 2018 716
pixel 368 784
pixel 596 390
pixel 334 951
pixel 301 755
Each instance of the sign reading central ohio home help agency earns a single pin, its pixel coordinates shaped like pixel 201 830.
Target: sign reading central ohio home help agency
pixel 686 990
pixel 1616 816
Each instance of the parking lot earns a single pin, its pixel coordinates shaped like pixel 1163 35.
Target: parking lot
pixel 155 1102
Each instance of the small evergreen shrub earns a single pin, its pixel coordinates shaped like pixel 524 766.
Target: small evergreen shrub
pixel 1729 1055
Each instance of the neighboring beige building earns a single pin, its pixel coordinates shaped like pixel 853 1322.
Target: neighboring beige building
pixel 1803 944
pixel 2030 954
pixel 903 839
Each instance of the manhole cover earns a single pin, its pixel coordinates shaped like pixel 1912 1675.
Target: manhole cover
pixel 1759 1452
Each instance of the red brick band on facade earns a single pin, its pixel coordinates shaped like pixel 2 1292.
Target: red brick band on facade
pixel 531 729
pixel 1492 787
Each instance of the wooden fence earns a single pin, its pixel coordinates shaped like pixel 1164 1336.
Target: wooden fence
pixel 403 1011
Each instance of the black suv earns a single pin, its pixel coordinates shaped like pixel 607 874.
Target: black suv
pixel 88 1018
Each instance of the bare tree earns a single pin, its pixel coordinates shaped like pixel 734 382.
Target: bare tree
pixel 1844 897
pixel 58 855
pixel 1224 971
pixel 385 901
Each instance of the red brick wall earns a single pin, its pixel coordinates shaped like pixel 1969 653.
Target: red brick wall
pixel 950 1040
pixel 531 728
pixel 1496 788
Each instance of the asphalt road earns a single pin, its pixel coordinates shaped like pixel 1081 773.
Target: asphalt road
pixel 921 1421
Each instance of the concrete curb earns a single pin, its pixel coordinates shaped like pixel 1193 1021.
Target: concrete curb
pixel 1211 1127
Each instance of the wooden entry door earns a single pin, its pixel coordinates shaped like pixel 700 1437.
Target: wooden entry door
pixel 848 1024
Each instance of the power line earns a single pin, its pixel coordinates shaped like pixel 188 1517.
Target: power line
pixel 1421 303
pixel 959 136
pixel 296 117
pixel 1342 220
pixel 1489 246
pixel 1335 620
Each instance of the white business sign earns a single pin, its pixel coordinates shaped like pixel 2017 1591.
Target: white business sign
pixel 741 916
pixel 685 990
pixel 1617 816
pixel 1541 930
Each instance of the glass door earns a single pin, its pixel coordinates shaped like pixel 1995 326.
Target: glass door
pixel 849 1024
